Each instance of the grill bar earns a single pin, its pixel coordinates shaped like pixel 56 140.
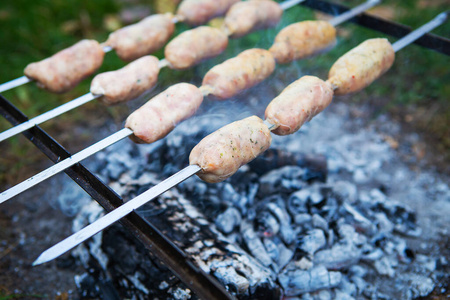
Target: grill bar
pixel 429 40
pixel 201 283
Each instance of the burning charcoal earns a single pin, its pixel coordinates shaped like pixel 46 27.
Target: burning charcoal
pixel 383 267
pixel 297 202
pixel 362 222
pixel 297 282
pixel 312 241
pixel 322 295
pixel 228 220
pixel 234 282
pixel 420 286
pixel 340 256
pixel 267 223
pixel 285 255
pixel 347 233
pixel 271 182
pixel 383 223
pixel 342 296
pixel 316 198
pixel 360 284
pixel 272 249
pixel 346 287
pixel 319 222
pixel 255 245
pixel 301 219
pixel 345 191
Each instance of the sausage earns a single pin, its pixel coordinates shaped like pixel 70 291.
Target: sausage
pixel 361 66
pixel 159 116
pixel 239 73
pixel 245 17
pixel 223 152
pixel 142 38
pixel 128 82
pixel 192 46
pixel 302 39
pixel 298 103
pixel 197 12
pixel 65 69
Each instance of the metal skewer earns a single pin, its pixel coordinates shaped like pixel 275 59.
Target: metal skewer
pixel 105 221
pixel 61 166
pixel 353 12
pixel 289 3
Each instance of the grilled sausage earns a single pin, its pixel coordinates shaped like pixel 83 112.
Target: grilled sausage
pixel 298 103
pixel 192 46
pixel 247 16
pixel 302 39
pixel 239 73
pixel 197 12
pixel 142 38
pixel 223 152
pixel 65 69
pixel 159 116
pixel 361 66
pixel 127 83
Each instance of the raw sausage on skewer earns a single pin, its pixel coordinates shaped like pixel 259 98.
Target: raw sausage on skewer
pixel 197 12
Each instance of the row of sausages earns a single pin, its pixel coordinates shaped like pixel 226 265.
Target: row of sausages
pixel 222 153
pixel 67 68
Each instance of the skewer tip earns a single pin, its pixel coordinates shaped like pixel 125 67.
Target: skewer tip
pixel 39 261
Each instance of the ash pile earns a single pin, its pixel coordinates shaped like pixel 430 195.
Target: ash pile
pixel 288 225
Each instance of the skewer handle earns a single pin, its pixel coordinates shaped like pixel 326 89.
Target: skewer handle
pixel 414 35
pixel 115 215
pixel 64 164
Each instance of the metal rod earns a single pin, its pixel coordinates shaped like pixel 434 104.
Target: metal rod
pixel 411 37
pixel 64 164
pixel 353 12
pixel 289 3
pixel 47 116
pixel 14 83
pixel 115 215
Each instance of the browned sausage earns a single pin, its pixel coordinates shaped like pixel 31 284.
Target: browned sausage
pixel 128 82
pixel 142 38
pixel 298 103
pixel 247 16
pixel 197 12
pixel 159 116
pixel 192 46
pixel 361 66
pixel 223 152
pixel 302 39
pixel 65 69
pixel 239 73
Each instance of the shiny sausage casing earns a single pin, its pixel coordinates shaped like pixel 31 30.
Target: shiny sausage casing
pixel 302 39
pixel 128 82
pixel 142 38
pixel 159 116
pixel 192 46
pixel 65 69
pixel 197 12
pixel 247 16
pixel 298 103
pixel 361 66
pixel 239 73
pixel 223 152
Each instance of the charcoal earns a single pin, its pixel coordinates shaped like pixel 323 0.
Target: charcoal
pixel 297 202
pixel 234 282
pixel 271 182
pixel 345 191
pixel 340 256
pixel 347 233
pixel 271 249
pixel 383 267
pixel 255 245
pixel 313 241
pixel 420 286
pixel 346 287
pixel 298 282
pixel 322 295
pixel 319 222
pixel 228 220
pixel 267 223
pixel 302 218
pixel 338 295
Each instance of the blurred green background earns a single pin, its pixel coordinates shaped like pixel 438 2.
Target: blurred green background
pixel 416 89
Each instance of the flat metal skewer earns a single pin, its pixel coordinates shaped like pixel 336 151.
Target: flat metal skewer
pixel 353 12
pixel 61 166
pixel 64 164
pixel 92 229
pixel 47 116
pixel 115 215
